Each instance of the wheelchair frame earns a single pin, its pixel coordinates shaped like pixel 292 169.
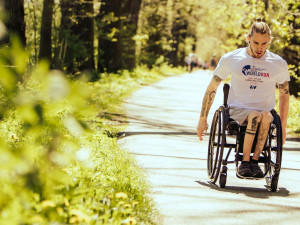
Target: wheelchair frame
pixel 222 127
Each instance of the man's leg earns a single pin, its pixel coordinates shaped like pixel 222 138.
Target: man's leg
pixel 266 120
pixel 192 66
pixel 253 119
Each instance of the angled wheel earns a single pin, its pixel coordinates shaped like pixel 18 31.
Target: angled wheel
pixel 223 177
pixel 223 180
pixel 274 183
pixel 216 145
pixel 275 154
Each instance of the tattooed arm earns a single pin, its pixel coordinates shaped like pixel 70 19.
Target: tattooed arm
pixel 206 105
pixel 284 98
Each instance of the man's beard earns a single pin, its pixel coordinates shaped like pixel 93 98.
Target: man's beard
pixel 254 55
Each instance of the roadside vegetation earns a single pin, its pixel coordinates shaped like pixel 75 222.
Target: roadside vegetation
pixel 60 100
pixel 60 162
pixel 293 124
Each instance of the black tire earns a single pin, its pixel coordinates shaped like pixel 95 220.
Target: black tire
pixel 275 154
pixel 274 183
pixel 216 145
pixel 222 181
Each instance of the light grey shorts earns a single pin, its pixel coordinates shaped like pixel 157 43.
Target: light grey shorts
pixel 239 114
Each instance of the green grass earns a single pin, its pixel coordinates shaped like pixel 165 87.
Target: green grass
pixel 60 161
pixel 293 123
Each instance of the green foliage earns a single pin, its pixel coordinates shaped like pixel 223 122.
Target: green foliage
pixel 293 124
pixel 224 28
pixel 60 162
pixel 167 29
pixel 153 37
pixel 76 52
pixel 33 17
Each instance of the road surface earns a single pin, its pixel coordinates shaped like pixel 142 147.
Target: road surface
pixel 162 136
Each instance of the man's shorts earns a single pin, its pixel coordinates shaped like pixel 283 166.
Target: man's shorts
pixel 239 114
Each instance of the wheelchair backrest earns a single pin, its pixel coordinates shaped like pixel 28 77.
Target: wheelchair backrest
pixel 226 88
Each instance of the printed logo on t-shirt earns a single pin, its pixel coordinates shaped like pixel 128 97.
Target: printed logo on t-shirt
pixel 254 71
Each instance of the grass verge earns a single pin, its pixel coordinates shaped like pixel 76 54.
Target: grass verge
pixel 60 161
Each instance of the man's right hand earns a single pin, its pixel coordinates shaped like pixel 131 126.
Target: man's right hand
pixel 208 99
pixel 201 127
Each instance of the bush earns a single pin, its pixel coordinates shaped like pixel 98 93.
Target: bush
pixel 293 124
pixel 60 162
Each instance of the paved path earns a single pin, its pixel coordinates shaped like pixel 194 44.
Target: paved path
pixel 162 136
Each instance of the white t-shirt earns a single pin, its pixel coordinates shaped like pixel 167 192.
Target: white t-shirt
pixel 192 58
pixel 253 80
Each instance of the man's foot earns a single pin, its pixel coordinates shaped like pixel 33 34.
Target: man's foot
pixel 256 170
pixel 245 170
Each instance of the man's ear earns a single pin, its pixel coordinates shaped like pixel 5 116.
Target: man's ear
pixel 248 38
pixel 271 38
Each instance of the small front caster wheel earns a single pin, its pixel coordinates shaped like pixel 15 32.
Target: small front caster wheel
pixel 223 177
pixel 274 183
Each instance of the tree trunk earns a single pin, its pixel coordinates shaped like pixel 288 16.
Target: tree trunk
pixel 266 5
pixel 292 58
pixel 109 48
pixel 46 31
pixel 156 24
pixel 76 36
pixel 131 12
pixel 14 20
pixel 118 51
pixel 64 33
pixel 154 49
pixel 84 30
pixel 179 31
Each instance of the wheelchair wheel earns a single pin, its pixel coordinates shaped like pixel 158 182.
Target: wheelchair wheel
pixel 216 145
pixel 275 155
pixel 223 177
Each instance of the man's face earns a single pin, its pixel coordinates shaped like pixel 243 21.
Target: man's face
pixel 258 44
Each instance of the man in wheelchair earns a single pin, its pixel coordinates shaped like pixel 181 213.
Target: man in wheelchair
pixel 255 72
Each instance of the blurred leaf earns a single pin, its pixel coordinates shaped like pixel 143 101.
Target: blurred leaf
pixel 7 79
pixel 29 115
pixel 19 56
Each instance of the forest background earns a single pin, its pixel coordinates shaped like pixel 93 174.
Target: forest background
pixel 110 35
pixel 65 68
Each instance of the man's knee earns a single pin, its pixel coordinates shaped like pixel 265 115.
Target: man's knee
pixel 267 117
pixel 254 119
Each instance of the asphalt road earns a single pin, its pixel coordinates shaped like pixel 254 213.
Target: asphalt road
pixel 162 136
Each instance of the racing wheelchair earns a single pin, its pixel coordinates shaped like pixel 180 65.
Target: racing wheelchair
pixel 227 134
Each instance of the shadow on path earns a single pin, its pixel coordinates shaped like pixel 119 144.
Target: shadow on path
pixel 130 133
pixel 247 191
